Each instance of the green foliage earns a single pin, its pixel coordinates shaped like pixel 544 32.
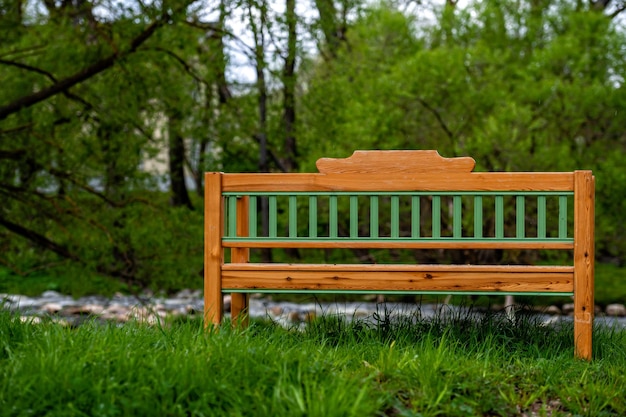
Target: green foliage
pixel 531 88
pixel 66 279
pixel 519 86
pixel 143 246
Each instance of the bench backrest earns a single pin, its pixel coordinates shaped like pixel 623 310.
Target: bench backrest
pixel 408 200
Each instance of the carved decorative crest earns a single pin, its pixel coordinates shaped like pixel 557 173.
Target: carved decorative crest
pixel 394 162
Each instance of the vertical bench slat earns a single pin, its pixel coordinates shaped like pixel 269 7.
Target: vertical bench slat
pixel 293 216
pixel 374 216
pixel 499 217
pixel 478 216
pixel 252 216
pixel 354 216
pixel 232 216
pixel 313 216
pixel 273 216
pixel 415 216
pixel 436 227
pixel 332 206
pixel 562 217
pixel 395 216
pixel 541 217
pixel 520 216
pixel 457 216
pixel 239 302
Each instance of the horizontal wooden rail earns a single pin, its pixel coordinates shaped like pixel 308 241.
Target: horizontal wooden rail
pixel 445 278
pixel 477 181
pixel 397 193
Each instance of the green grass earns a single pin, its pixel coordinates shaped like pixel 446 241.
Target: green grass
pixel 402 367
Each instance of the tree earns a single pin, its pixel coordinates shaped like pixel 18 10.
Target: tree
pixel 537 87
pixel 77 126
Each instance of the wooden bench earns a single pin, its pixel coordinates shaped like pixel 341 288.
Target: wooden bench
pixel 391 200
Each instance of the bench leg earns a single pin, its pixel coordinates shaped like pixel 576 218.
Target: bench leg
pixel 213 252
pixel 239 309
pixel 583 328
pixel 213 307
pixel 584 187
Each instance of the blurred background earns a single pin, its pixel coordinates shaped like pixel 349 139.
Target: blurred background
pixel 110 112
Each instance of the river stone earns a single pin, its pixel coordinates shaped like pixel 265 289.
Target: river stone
pixel 51 308
pixel 51 294
pixel 552 310
pixel 616 310
pixel 568 308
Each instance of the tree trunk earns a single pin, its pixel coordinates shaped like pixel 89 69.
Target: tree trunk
pixel 289 87
pixel 328 23
pixel 261 136
pixel 176 153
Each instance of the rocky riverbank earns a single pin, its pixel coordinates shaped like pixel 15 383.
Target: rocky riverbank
pixel 150 309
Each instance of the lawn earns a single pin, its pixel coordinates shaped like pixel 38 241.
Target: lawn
pixel 392 367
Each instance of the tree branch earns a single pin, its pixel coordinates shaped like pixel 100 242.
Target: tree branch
pixel 28 68
pixel 617 11
pixel 38 239
pixel 85 74
pixel 16 154
pixel 438 117
pixel 181 61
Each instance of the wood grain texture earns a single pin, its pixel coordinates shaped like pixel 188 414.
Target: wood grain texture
pixel 398 277
pixel 584 214
pixel 213 254
pixel 394 162
pixel 476 181
pixel 239 302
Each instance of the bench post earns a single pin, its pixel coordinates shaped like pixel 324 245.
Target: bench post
pixel 213 254
pixel 239 301
pixel 584 188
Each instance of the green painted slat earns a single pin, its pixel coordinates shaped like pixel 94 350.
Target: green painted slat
pixel 374 216
pixel 232 216
pixel 415 216
pixel 520 216
pixel 436 205
pixel 400 193
pixel 395 216
pixel 541 217
pixel 313 216
pixel 273 216
pixel 252 216
pixel 293 216
pixel 354 216
pixel 478 216
pixel 499 216
pixel 457 216
pixel 333 226
pixel 562 217
pixel 271 291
